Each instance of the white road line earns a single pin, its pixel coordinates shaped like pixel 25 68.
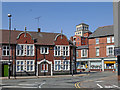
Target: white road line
pixel 27 84
pixel 99 85
pixel 99 81
pixel 116 86
pixel 41 84
pixel 17 87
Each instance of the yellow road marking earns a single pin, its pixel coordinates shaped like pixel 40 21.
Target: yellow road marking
pixel 77 85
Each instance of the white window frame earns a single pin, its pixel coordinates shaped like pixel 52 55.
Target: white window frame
pixel 97 40
pixel 107 50
pixel 20 50
pixel 98 52
pixel 108 40
pixel 85 52
pixel 44 68
pixel 30 65
pixel 113 39
pixel 44 50
pixel 66 65
pixel 65 50
pixel 29 50
pixel 57 50
pixel 25 50
pixel 20 65
pixel 61 50
pixel 57 66
pixel 6 50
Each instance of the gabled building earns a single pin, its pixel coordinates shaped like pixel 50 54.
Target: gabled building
pixel 101 49
pixel 37 53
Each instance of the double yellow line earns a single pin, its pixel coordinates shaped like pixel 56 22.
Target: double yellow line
pixel 77 85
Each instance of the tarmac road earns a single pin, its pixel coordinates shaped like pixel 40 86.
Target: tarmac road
pixel 91 80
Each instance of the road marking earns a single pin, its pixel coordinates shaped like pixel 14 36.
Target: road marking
pixel 99 81
pixel 77 85
pixel 27 84
pixel 99 85
pixel 116 86
pixel 17 87
pixel 41 84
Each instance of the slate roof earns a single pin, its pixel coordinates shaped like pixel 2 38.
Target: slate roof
pixel 43 38
pixel 82 47
pixel 103 31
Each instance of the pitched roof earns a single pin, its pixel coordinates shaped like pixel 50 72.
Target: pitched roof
pixel 103 31
pixel 42 38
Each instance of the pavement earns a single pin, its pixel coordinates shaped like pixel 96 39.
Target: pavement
pixel 33 77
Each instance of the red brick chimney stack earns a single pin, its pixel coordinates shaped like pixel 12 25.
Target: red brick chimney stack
pixel 39 30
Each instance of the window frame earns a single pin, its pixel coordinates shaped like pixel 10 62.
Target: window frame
pixel 97 40
pixel 113 39
pixel 30 66
pixel 66 65
pixel 107 50
pixel 57 65
pixel 20 65
pixel 98 51
pixel 108 40
pixel 6 50
pixel 61 50
pixel 85 53
pixel 44 50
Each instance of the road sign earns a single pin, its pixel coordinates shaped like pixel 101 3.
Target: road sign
pixel 117 51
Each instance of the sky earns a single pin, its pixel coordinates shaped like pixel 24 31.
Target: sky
pixel 55 16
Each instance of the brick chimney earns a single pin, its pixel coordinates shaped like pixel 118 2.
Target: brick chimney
pixel 39 30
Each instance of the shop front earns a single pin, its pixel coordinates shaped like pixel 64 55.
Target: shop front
pixel 110 65
pixel 95 65
pixel 83 65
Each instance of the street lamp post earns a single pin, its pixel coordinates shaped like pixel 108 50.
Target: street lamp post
pixel 45 65
pixel 9 15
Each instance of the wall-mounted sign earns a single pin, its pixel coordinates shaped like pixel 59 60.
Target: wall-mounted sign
pixel 117 51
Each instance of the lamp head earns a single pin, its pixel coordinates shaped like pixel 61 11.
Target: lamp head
pixel 9 15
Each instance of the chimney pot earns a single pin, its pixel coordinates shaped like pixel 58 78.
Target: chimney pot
pixel 38 29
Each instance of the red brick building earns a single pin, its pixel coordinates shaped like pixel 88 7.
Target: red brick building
pixel 95 51
pixel 37 53
pixel 80 39
pixel 101 49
